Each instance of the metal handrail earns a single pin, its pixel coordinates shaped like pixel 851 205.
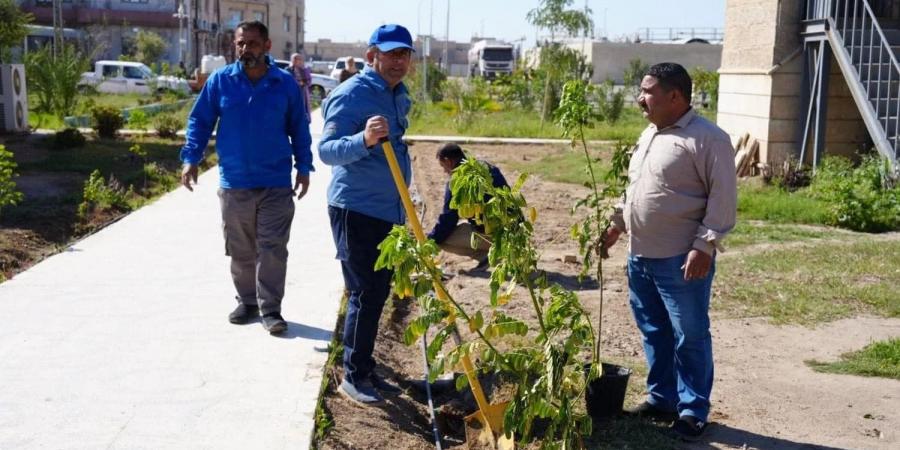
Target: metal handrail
pixel 858 17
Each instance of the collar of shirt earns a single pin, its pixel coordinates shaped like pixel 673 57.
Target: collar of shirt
pixel 682 121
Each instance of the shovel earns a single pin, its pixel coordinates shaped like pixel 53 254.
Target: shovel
pixel 489 417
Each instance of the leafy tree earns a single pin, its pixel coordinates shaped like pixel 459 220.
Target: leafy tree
pixel 706 82
pixel 632 76
pixel 8 193
pixel 554 16
pixel 13 28
pixel 149 47
pixel 55 79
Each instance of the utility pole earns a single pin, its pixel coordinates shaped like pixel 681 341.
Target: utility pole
pixel 180 15
pixel 57 28
pixel 447 40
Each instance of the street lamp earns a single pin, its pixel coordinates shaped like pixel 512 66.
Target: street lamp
pixel 180 15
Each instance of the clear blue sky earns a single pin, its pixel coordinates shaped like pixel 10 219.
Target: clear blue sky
pixel 354 20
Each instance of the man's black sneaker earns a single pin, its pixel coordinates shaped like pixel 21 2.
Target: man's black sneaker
pixel 274 323
pixel 689 428
pixel 651 411
pixel 362 393
pixel 243 314
pixel 383 385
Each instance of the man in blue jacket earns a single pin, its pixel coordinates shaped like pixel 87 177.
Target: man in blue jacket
pixel 262 126
pixel 448 233
pixel 363 202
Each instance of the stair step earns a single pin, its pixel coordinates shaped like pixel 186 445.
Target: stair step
pixel 886 106
pixel 858 36
pixel 872 71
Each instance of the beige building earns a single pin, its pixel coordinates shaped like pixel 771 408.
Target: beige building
pixel 610 59
pixel 806 78
pixel 284 18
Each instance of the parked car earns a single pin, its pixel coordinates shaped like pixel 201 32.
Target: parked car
pixel 121 77
pixel 320 86
pixel 341 63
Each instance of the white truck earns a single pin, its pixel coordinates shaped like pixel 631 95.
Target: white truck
pixel 489 58
pixel 121 77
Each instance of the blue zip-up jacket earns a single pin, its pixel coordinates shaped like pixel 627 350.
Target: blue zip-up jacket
pixel 448 219
pixel 261 127
pixel 361 179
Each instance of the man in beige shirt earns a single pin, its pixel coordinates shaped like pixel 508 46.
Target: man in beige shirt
pixel 680 202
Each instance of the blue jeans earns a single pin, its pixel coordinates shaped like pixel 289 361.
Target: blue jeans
pixel 356 237
pixel 673 316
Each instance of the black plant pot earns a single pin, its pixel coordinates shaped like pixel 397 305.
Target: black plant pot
pixel 606 395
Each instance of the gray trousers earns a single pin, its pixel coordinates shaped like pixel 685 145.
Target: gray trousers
pixel 257 225
pixel 460 242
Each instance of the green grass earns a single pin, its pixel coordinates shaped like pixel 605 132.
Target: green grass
pixel 46 120
pixel 566 165
pixel 518 123
pixel 879 359
pixel 810 284
pixel 747 233
pixel 773 204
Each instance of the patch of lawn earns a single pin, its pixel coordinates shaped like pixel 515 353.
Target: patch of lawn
pixel 747 233
pixel 878 359
pixel 809 284
pixel 771 203
pixel 522 124
pixel 566 165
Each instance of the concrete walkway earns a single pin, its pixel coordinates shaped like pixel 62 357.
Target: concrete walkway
pixel 122 341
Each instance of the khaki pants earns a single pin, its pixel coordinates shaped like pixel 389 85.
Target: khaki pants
pixel 460 242
pixel 257 226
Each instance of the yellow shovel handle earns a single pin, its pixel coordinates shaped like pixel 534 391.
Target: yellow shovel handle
pixel 468 367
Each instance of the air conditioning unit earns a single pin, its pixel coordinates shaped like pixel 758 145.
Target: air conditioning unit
pixel 13 98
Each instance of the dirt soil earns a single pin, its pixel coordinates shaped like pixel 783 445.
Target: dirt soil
pixel 765 397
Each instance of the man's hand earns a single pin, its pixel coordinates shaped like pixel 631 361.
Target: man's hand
pixel 301 181
pixel 189 172
pixel 612 236
pixel 376 128
pixel 697 265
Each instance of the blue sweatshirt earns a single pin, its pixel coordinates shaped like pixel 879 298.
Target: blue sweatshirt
pixel 361 178
pixel 448 219
pixel 262 126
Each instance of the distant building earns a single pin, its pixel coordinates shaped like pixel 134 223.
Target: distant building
pixel 610 59
pixel 206 26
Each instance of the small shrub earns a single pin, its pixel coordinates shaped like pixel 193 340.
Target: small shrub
pixel 68 138
pixel 8 193
pixel 610 102
pixel 138 120
pixel 859 197
pixel 167 125
pixel 160 176
pixel 101 195
pixel 107 121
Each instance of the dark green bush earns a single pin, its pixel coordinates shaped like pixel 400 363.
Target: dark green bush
pixel 68 138
pixel 167 125
pixel 107 120
pixel 860 197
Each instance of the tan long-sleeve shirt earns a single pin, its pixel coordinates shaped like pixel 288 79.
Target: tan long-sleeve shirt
pixel 682 190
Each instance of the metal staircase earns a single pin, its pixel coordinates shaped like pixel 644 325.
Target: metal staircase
pixel 864 36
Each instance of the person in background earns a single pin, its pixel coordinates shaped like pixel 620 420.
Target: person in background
pixel 303 76
pixel 448 233
pixel 349 69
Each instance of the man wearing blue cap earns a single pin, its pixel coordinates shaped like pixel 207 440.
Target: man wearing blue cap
pixel 363 202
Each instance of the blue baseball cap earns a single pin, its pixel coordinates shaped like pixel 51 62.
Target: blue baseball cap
pixel 390 37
